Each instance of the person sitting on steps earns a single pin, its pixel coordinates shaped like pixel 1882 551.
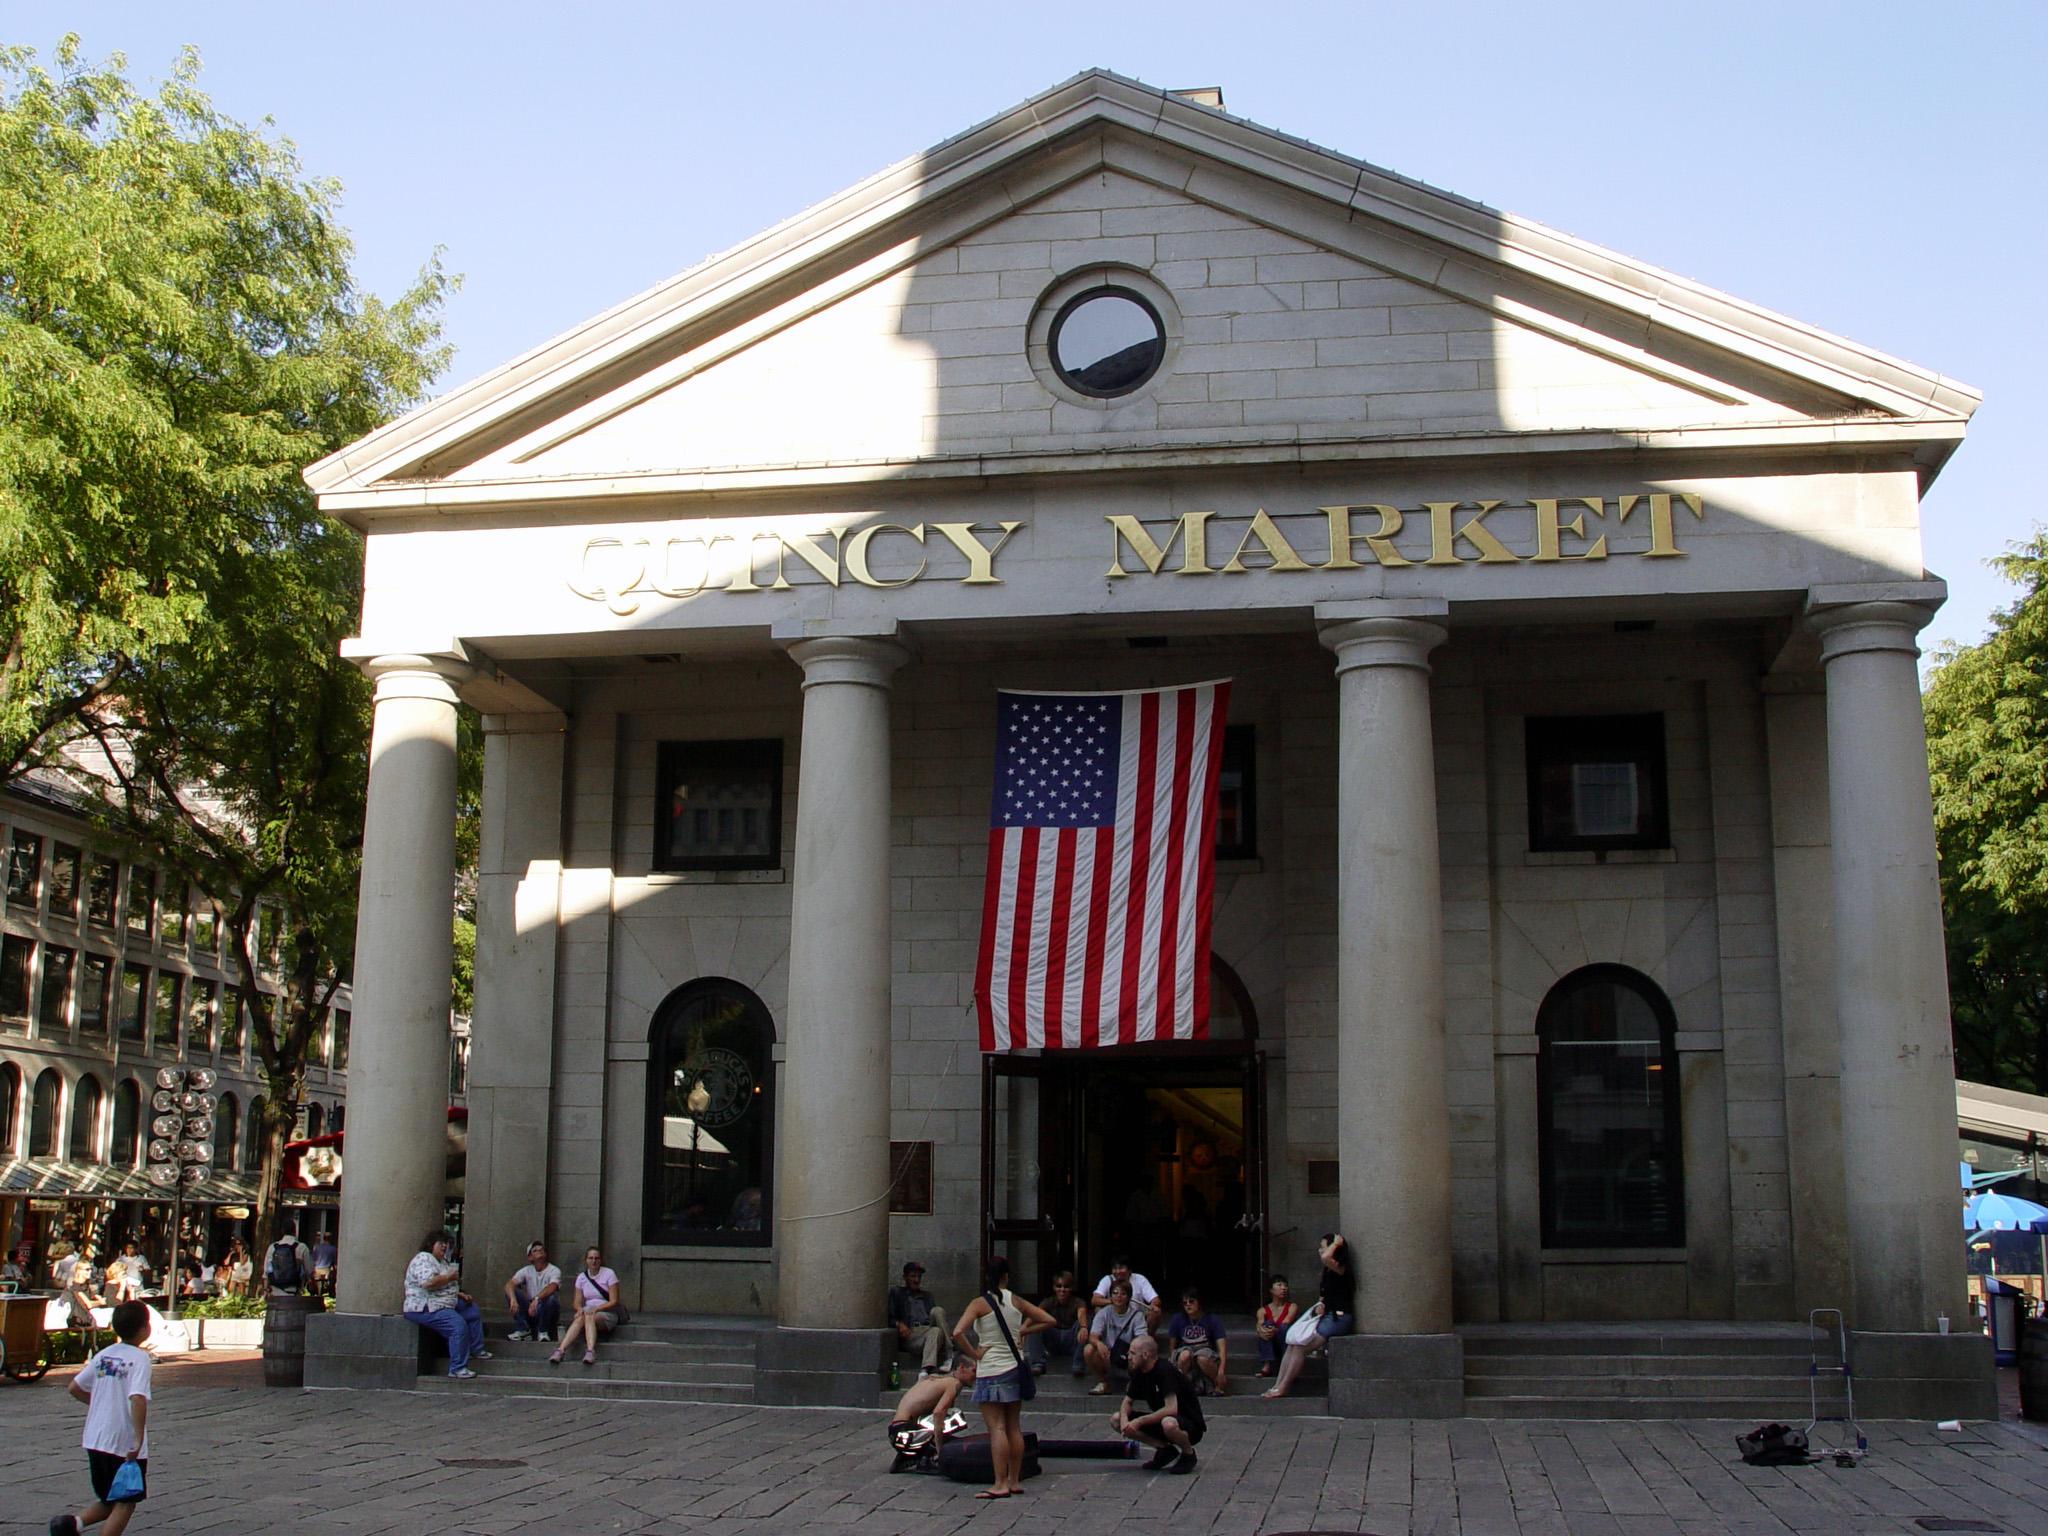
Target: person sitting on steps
pixel 1111 1335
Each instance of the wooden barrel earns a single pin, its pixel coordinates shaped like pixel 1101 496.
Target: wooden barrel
pixel 284 1340
pixel 2034 1369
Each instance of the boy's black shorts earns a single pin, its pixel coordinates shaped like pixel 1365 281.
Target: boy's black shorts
pixel 104 1465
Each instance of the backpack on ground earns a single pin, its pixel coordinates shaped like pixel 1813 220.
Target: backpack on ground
pixel 1775 1445
pixel 283 1269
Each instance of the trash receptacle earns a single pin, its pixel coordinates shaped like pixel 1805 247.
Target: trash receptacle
pixel 2005 1325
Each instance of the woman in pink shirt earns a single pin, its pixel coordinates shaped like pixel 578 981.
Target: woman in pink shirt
pixel 597 1307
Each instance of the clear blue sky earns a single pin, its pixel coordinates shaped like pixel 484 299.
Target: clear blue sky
pixel 1875 168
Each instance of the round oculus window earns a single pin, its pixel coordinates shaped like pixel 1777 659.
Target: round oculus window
pixel 1106 342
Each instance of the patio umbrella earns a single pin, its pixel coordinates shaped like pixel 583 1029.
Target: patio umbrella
pixel 1972 1179
pixel 2001 1212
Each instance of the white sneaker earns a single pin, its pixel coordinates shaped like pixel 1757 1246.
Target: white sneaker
pixel 479 1354
pixel 465 1374
pixel 518 1335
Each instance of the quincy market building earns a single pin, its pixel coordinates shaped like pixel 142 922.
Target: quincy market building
pixel 1577 949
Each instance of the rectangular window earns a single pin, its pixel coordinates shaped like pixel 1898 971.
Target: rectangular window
pixel 141 901
pixel 174 914
pixel 199 1009
pixel 718 805
pixel 206 928
pixel 64 881
pixel 102 882
pixel 53 1008
pixel 910 1170
pixel 1597 782
pixel 1237 821
pixel 341 1041
pixel 24 872
pixel 164 1025
pixel 134 1016
pixel 17 956
pixel 95 993
pixel 233 1019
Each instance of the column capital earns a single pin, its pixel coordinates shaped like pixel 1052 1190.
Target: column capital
pixel 1383 632
pixel 866 654
pixel 1848 629
pixel 418 674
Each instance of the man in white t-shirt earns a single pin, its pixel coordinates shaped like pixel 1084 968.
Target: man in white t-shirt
pixel 534 1295
pixel 114 1386
pixel 1142 1291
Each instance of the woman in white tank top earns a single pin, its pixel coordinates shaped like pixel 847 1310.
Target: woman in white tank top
pixel 998 1372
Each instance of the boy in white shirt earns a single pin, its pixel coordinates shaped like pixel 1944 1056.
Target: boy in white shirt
pixel 114 1386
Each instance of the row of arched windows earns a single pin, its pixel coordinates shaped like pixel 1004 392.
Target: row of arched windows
pixel 76 1135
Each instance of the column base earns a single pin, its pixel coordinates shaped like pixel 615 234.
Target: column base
pixel 1924 1375
pixel 820 1367
pixel 1397 1376
pixel 372 1350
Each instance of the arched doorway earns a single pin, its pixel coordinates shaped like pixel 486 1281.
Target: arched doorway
pixel 1157 1151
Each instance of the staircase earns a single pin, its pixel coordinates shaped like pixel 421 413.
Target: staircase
pixel 1681 1370
pixel 655 1358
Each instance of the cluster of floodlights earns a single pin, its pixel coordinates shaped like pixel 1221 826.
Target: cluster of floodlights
pixel 181 1132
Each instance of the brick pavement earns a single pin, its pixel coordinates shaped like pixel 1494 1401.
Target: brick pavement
pixel 234 1458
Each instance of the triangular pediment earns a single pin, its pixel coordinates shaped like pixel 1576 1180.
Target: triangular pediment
pixel 1308 299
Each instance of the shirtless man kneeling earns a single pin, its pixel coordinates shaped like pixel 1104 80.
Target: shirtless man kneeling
pixel 930 1398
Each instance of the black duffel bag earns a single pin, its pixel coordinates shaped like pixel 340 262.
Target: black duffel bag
pixel 967 1459
pixel 1775 1445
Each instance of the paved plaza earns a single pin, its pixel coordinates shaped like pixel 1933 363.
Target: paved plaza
pixel 231 1457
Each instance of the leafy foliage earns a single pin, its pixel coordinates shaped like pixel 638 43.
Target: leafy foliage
pixel 179 337
pixel 1987 748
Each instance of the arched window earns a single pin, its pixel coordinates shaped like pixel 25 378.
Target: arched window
pixel 340 1114
pixel 1607 1081
pixel 316 1118
pixel 226 1130
pixel 1230 1005
pixel 10 1106
pixel 126 1149
pixel 86 1099
pixel 42 1116
pixel 710 1117
pixel 252 1135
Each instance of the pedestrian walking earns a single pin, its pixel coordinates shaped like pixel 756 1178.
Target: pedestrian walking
pixel 114 1386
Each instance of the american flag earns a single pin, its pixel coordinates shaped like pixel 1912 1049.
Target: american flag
pixel 1101 875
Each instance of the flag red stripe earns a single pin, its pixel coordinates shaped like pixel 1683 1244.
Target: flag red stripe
pixel 1205 889
pixel 1020 942
pixel 1141 856
pixel 1056 945
pixel 1176 842
pixel 1098 936
pixel 984 965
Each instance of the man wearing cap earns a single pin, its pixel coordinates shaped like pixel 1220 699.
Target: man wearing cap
pixel 919 1324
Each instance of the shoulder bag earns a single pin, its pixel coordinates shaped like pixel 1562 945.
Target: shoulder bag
pixel 1027 1385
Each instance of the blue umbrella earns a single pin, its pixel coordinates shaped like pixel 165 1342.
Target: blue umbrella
pixel 1972 1179
pixel 1995 1211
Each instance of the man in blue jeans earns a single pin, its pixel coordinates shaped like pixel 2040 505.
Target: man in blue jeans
pixel 435 1301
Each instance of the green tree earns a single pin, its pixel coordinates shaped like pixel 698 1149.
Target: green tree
pixel 1987 751
pixel 179 337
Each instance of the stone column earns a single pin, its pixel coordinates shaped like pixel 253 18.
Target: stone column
pixel 832 1157
pixel 1393 1122
pixel 1891 978
pixel 394 1166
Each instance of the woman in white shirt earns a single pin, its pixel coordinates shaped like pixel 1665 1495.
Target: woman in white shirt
pixel 1000 1320
pixel 597 1307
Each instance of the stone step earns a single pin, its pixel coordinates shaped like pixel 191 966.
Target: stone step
pixel 625 1347
pixel 1625 1366
pixel 619 1365
pixel 1786 1340
pixel 1747 1412
pixel 1765 1387
pixel 588 1384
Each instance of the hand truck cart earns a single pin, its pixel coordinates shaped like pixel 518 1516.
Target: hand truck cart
pixel 1824 1326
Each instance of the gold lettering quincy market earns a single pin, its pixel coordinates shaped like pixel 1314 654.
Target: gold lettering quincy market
pixel 1550 530
pixel 622 573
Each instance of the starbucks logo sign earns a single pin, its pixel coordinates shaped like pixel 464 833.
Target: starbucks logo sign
pixel 717 1086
